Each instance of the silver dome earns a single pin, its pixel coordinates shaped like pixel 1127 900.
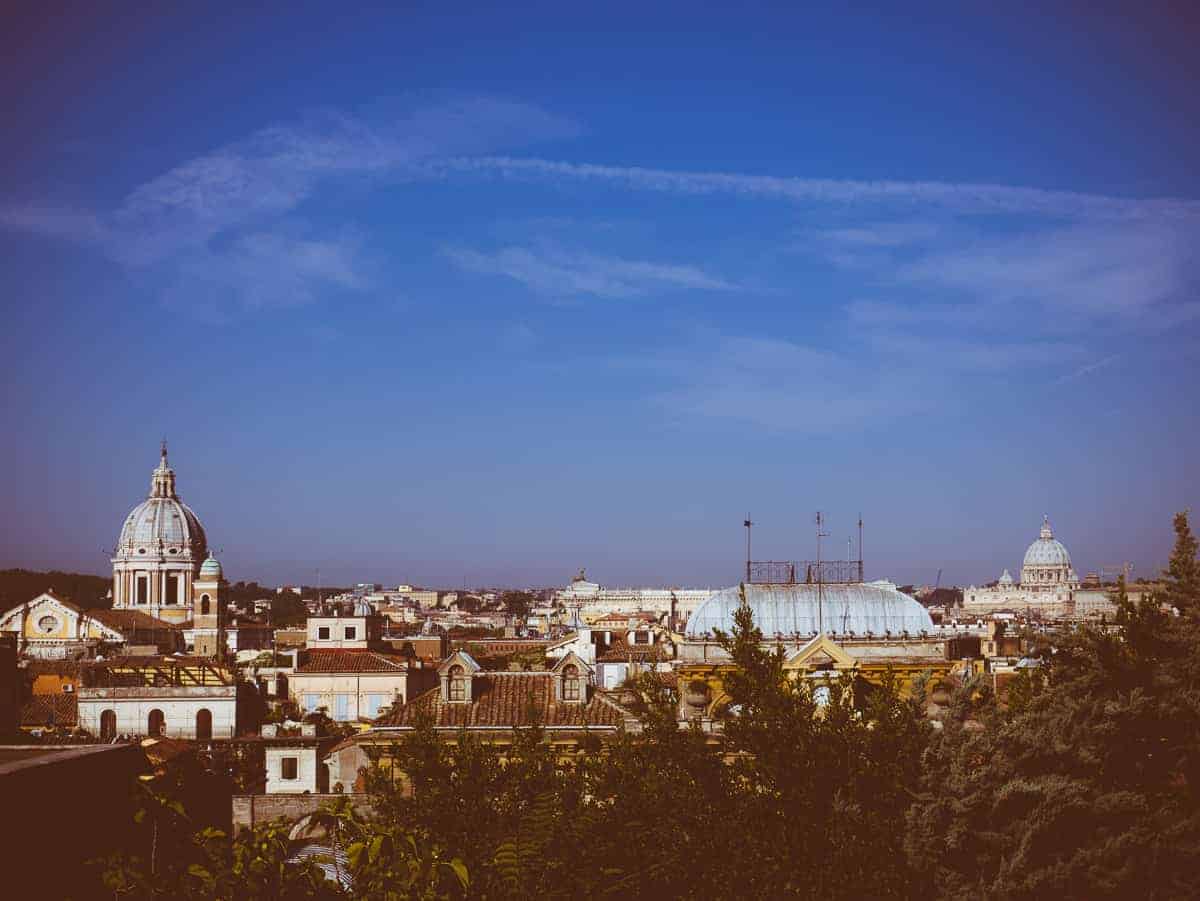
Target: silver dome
pixel 1047 550
pixel 870 608
pixel 162 525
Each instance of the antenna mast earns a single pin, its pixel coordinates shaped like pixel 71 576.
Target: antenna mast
pixel 748 524
pixel 861 574
pixel 820 576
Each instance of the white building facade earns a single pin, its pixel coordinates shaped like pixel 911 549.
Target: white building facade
pixel 200 712
pixel 592 598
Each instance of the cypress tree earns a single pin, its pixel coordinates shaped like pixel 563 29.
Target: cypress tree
pixel 1183 573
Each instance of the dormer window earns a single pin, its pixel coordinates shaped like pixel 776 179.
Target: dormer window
pixel 458 683
pixel 571 680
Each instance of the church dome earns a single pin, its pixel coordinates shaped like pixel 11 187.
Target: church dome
pixel 1047 551
pixel 211 568
pixel 869 608
pixel 162 525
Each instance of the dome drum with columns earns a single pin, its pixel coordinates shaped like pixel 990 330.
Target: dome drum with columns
pixel 160 552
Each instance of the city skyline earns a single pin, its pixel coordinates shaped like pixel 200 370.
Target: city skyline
pixel 409 307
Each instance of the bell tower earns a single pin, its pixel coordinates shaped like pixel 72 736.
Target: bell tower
pixel 208 623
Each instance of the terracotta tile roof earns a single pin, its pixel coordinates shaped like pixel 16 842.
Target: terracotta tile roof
pixel 507 700
pixel 129 620
pixel 499 646
pixel 38 710
pixel 335 660
pixel 621 651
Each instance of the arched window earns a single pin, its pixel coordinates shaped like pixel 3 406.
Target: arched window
pixel 108 725
pixel 458 683
pixel 570 677
pixel 203 724
pixel 205 605
pixel 156 723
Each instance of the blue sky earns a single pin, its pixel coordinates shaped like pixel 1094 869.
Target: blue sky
pixel 486 294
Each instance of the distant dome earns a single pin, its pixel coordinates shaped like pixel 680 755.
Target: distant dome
pixel 865 608
pixel 162 526
pixel 1047 564
pixel 1047 550
pixel 211 568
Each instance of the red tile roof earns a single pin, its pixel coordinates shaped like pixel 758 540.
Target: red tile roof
pixel 621 651
pixel 335 660
pixel 507 700
pixel 38 710
pixel 130 620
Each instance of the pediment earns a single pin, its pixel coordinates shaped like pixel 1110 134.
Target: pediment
pixel 460 658
pixel 66 616
pixel 822 651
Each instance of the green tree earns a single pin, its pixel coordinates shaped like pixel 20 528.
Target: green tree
pixel 287 610
pixel 827 768
pixel 1086 786
pixel 517 603
pixel 1182 575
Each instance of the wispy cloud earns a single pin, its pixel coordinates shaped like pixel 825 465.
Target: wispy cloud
pixel 267 269
pixel 241 190
pixel 560 274
pixel 954 196
pixel 1087 369
pixel 1096 269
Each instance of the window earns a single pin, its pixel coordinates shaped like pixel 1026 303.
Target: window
pixel 341 707
pixel 458 683
pixel 205 605
pixel 311 701
pixel 289 768
pixel 323 633
pixel 351 633
pixel 143 590
pixel 372 703
pixel 570 682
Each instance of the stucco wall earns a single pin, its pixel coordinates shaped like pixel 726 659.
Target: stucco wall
pixel 306 771
pixel 179 706
pixel 327 686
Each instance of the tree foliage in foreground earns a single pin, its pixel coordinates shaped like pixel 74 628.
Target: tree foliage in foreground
pixel 1088 786
pixel 1083 785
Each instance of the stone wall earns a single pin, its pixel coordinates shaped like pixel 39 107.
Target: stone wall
pixel 252 810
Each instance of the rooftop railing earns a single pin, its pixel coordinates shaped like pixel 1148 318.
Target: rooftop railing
pixel 803 572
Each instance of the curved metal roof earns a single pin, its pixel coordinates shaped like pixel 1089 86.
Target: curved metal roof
pixel 866 608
